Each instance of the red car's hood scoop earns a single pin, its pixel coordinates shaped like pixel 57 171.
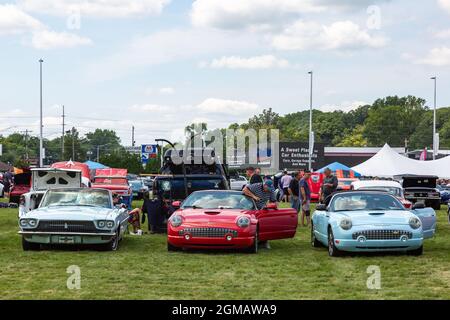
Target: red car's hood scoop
pixel 212 212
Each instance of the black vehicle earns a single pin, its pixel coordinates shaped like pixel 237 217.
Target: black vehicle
pixel 422 189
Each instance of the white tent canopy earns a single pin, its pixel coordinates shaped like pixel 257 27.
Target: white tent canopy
pixel 388 163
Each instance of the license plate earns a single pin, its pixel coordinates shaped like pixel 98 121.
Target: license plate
pixel 66 240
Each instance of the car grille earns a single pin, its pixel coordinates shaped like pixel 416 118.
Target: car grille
pixel 382 234
pixel 208 232
pixel 67 226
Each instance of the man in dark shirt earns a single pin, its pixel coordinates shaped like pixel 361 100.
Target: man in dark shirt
pixel 294 191
pixel 253 176
pixel 305 194
pixel 330 184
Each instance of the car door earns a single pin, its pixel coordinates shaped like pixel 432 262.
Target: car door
pixel 320 223
pixel 275 223
pixel 428 218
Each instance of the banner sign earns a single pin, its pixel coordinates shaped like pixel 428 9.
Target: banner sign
pixel 294 156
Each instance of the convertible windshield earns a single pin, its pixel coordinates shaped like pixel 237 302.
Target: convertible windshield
pixel 398 192
pixel 82 197
pixel 218 200
pixel 365 201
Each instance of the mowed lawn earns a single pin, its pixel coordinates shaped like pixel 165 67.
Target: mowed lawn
pixel 292 269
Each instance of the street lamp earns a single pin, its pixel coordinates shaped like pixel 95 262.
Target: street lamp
pixel 310 123
pixel 41 142
pixel 434 120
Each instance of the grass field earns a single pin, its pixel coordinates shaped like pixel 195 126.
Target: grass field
pixel 292 269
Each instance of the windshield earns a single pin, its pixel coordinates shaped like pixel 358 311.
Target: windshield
pixel 364 201
pixel 398 192
pixel 119 181
pixel 82 197
pixel 136 184
pixel 218 200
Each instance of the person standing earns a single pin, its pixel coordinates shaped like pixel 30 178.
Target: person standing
pixel 329 186
pixel 285 182
pixel 305 193
pixel 253 177
pixel 294 191
pixel 8 181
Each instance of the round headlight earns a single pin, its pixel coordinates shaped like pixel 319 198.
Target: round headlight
pixel 346 224
pixel 101 224
pixel 176 221
pixel 415 223
pixel 110 224
pixel 24 222
pixel 32 222
pixel 243 222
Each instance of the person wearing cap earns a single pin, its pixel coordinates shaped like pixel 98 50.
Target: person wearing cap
pixel 261 193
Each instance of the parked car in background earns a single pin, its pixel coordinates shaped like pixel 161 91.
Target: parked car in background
pixel 73 165
pixel 43 179
pixel 148 181
pixel 114 180
pixel 238 183
pixel 444 192
pixel 422 189
pixel 22 185
pixel 392 187
pixel 138 188
pixel 345 183
pixel 370 221
pixel 215 219
pixel 78 216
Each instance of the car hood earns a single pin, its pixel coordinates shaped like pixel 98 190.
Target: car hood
pixel 368 217
pixel 209 216
pixel 71 213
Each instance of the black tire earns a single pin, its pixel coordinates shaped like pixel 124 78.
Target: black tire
pixel 112 245
pixel 30 246
pixel 255 246
pixel 436 205
pixel 314 242
pixel 448 216
pixel 172 248
pixel 332 250
pixel 416 252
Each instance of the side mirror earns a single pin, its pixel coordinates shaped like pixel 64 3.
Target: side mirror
pixel 271 206
pixel 418 205
pixel 321 207
pixel 176 204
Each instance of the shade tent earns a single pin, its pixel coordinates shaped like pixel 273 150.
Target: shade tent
pixel 336 166
pixel 95 165
pixel 388 163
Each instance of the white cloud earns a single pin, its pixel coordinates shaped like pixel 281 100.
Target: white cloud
pixel 344 35
pixel 167 91
pixel 262 14
pixel 149 108
pixel 257 62
pixel 95 8
pixel 442 34
pixel 15 21
pixel 47 39
pixel 230 107
pixel 437 57
pixel 345 106
pixel 445 4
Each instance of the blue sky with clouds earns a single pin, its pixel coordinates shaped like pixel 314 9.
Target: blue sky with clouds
pixel 160 65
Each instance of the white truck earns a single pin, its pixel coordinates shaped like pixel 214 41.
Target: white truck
pixel 43 179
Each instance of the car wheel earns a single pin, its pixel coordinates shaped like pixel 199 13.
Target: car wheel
pixel 255 246
pixel 30 246
pixel 112 245
pixel 416 252
pixel 172 248
pixel 437 205
pixel 314 242
pixel 332 250
pixel 448 216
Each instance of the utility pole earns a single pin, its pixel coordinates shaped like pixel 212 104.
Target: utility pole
pixel 26 132
pixel 73 144
pixel 434 121
pixel 41 138
pixel 310 123
pixel 63 133
pixel 132 137
pixel 98 153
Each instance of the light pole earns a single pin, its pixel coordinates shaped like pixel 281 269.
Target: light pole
pixel 310 122
pixel 41 142
pixel 434 120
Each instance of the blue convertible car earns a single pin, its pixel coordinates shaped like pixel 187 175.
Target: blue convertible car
pixel 371 221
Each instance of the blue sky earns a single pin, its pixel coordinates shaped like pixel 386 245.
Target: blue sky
pixel 160 65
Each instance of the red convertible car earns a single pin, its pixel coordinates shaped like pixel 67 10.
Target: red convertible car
pixel 225 219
